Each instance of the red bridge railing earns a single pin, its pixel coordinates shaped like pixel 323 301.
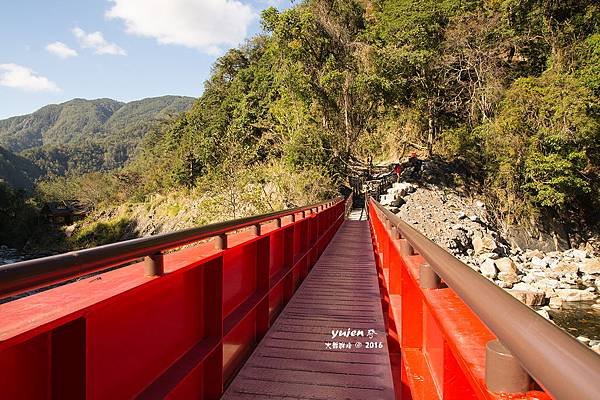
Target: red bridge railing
pixel 175 325
pixel 455 335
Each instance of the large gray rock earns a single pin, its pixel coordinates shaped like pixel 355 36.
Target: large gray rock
pixel 506 265
pixel 508 277
pixel 485 244
pixel 401 188
pixel 577 254
pixel 485 256
pixel 529 254
pixel 575 295
pixel 524 286
pixel 590 266
pixel 543 313
pixel 392 200
pixel 488 269
pixel 546 235
pixel 570 278
pixel 538 262
pixel 528 297
pixel 547 283
pixel 551 274
pixel 551 261
pixel 505 285
pixel 555 302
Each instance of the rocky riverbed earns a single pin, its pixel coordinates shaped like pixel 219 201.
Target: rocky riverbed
pixel 9 255
pixel 562 286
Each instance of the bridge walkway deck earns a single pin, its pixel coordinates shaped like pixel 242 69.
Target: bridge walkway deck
pixel 298 358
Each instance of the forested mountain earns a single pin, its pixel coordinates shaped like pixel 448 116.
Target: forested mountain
pixel 80 120
pixel 86 135
pixel 19 172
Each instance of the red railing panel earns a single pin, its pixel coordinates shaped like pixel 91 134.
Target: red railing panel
pixel 437 343
pixel 122 334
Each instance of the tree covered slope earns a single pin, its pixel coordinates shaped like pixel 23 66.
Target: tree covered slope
pixel 86 135
pixel 17 171
pixel 57 124
pixel 80 120
pixel 509 87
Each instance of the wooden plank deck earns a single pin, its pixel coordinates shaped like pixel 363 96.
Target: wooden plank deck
pixel 297 359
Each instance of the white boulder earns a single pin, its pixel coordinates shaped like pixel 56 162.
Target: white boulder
pixel 575 295
pixel 485 244
pixel 488 269
pixel 590 266
pixel 527 297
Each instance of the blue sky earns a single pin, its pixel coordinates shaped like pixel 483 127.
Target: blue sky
pixel 53 51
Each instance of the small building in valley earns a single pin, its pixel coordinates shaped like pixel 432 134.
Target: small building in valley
pixel 64 212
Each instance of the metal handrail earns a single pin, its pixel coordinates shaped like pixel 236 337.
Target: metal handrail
pixel 31 274
pixel 348 206
pixel 565 368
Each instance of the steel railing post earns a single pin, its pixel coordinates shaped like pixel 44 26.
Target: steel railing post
pixel 428 278
pixel 154 265
pixel 406 248
pixel 256 230
pixel 503 371
pixel 221 242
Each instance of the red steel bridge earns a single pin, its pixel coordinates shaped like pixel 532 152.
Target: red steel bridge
pixel 299 304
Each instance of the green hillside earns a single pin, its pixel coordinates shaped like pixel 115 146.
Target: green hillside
pixel 80 120
pixel 86 135
pixel 57 124
pixel 17 171
pixel 139 111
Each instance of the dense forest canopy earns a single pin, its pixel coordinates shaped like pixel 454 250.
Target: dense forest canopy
pixel 509 88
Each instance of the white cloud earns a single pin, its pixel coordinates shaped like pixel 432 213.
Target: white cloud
pixel 96 41
pixel 206 25
pixel 61 50
pixel 275 3
pixel 19 77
